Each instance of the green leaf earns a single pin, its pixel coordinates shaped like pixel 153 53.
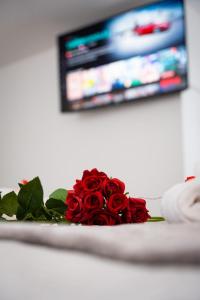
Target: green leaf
pixel 21 213
pixel 30 217
pixel 64 221
pixel 56 205
pixel 56 210
pixel 59 194
pixel 30 199
pixel 9 204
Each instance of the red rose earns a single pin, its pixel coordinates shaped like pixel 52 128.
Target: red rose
pixel 127 216
pixel 78 188
pixel 113 186
pixel 93 201
pixel 117 203
pixel 74 208
pixel 137 211
pixel 136 203
pixel 73 202
pixel 98 200
pixel 91 183
pixel 92 180
pixel 141 215
pixel 94 172
pixel 103 217
pixel 72 216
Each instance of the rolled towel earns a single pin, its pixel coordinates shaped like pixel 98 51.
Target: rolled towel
pixel 181 203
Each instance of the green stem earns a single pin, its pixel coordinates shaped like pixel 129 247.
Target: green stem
pixel 156 219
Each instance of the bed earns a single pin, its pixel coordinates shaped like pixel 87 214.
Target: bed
pixel 120 262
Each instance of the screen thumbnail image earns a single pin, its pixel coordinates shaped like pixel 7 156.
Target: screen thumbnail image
pixel 125 74
pixel 148 29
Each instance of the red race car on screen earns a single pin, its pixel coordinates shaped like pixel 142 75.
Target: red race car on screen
pixel 151 28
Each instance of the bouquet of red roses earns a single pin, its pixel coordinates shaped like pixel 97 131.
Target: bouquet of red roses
pixel 97 199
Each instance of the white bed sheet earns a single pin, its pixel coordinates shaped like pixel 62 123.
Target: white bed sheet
pixel 37 273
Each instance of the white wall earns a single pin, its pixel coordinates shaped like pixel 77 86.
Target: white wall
pixel 142 143
pixel 190 100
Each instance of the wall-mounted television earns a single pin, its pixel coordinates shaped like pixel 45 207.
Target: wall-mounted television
pixel 136 54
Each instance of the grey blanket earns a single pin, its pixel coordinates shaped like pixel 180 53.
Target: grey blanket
pixel 137 243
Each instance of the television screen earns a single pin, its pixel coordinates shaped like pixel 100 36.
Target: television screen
pixel 135 54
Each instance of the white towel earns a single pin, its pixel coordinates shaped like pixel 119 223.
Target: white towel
pixel 181 203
